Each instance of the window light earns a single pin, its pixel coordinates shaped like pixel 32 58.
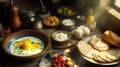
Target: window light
pixel 117 3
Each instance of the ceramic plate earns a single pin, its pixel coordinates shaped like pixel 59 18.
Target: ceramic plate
pixel 93 61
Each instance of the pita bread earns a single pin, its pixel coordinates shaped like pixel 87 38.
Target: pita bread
pixel 86 49
pixel 99 44
pixel 113 54
pixel 97 58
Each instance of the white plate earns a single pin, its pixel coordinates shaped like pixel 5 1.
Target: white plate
pixel 93 61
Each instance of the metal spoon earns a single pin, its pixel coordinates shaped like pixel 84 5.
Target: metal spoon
pixel 43 7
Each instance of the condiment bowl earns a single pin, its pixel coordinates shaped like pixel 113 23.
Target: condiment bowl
pixel 66 11
pixel 61 36
pixel 10 44
pixel 68 24
pixel 51 21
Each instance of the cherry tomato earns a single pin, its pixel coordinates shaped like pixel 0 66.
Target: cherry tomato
pixel 58 61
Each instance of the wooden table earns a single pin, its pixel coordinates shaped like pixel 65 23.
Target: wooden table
pixel 7 61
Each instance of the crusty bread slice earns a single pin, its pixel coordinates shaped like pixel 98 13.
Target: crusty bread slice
pixel 99 44
pixel 86 49
pixel 111 38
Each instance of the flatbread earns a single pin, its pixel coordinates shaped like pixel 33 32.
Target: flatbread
pixel 97 58
pixel 113 54
pixel 86 49
pixel 99 44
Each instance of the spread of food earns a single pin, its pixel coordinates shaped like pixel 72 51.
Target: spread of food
pixel 97 49
pixel 51 21
pixel 100 49
pixel 26 46
pixel 55 44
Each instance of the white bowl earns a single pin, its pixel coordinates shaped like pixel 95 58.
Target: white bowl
pixel 61 36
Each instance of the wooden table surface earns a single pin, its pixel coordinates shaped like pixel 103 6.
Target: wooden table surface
pixel 7 61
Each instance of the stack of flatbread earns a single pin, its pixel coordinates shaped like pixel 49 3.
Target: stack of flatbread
pixel 98 50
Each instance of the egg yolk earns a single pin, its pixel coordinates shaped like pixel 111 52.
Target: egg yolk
pixel 27 45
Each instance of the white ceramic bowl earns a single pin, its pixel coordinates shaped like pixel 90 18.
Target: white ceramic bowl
pixel 61 36
pixel 68 24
